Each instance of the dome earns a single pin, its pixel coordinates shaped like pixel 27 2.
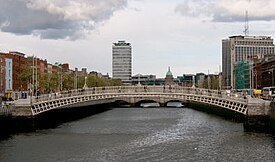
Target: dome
pixel 169 73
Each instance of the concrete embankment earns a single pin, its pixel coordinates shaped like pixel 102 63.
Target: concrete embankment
pixel 272 117
pixel 257 116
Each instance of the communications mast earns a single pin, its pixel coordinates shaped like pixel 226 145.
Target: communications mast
pixel 246 26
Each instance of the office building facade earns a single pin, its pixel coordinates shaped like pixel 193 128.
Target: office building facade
pixel 122 61
pixel 242 48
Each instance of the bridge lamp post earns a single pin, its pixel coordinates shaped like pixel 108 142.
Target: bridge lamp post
pixel 33 80
pixel 75 78
pixel 31 89
pixel 139 80
pixel 267 76
pixel 85 83
pixel 270 72
pixel 251 71
pixel 60 77
pixel 193 81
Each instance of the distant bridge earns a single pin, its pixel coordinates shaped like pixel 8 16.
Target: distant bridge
pixel 132 95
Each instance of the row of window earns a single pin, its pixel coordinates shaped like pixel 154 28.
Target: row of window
pixel 123 55
pixel 121 58
pixel 255 49
pixel 121 67
pixel 122 50
pixel 122 63
pixel 122 74
pixel 122 71
pixel 257 43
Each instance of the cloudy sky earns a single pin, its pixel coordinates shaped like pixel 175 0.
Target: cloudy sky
pixel 183 34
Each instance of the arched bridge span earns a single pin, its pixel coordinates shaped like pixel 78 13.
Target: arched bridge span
pixel 134 94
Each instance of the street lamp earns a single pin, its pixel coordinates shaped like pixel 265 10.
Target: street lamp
pixel 267 76
pixel 85 83
pixel 251 72
pixel 193 80
pixel 60 70
pixel 139 80
pixel 270 72
pixel 75 78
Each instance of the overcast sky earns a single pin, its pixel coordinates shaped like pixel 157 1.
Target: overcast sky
pixel 183 34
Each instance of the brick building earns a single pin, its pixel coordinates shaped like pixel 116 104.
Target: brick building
pixel 267 70
pixel 42 65
pixel 2 74
pixel 19 62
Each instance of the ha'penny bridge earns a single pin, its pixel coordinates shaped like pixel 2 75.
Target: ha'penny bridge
pixel 255 111
pixel 133 95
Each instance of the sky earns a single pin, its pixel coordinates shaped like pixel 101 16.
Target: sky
pixel 183 34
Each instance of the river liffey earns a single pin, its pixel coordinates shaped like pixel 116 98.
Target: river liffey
pixel 139 134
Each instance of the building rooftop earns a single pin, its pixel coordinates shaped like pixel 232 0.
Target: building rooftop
pixel 17 53
pixel 122 43
pixel 252 37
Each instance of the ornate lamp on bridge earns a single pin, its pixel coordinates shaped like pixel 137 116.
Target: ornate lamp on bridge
pixel 85 83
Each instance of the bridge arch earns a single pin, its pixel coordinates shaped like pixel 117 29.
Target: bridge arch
pixel 135 94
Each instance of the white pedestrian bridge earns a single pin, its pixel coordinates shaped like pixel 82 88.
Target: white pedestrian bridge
pixel 131 94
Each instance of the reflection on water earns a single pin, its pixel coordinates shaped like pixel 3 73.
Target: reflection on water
pixel 155 104
pixel 146 105
pixel 138 134
pixel 174 104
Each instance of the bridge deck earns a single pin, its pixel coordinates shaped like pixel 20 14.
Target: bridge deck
pixel 233 101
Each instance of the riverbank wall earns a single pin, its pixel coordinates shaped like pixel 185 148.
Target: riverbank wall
pixel 272 117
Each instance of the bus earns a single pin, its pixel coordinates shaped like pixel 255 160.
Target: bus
pixel 269 93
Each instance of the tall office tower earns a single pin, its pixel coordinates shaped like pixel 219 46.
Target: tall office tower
pixel 242 48
pixel 122 61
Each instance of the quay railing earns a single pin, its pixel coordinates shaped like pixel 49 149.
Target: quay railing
pixel 6 109
pixel 141 90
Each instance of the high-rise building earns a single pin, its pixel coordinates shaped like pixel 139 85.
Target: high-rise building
pixel 122 61
pixel 242 48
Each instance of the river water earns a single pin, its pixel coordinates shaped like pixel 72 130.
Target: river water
pixel 139 134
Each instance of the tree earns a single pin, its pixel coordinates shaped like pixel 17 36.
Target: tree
pixel 67 81
pixel 26 75
pixel 52 82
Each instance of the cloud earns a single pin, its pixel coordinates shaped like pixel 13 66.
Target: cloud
pixel 56 19
pixel 228 11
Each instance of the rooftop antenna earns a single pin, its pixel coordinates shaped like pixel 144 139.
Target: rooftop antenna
pixel 246 26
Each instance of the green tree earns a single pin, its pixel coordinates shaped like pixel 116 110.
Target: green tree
pixel 52 82
pixel 67 81
pixel 25 75
pixel 80 81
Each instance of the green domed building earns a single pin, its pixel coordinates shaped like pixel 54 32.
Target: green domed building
pixel 169 79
